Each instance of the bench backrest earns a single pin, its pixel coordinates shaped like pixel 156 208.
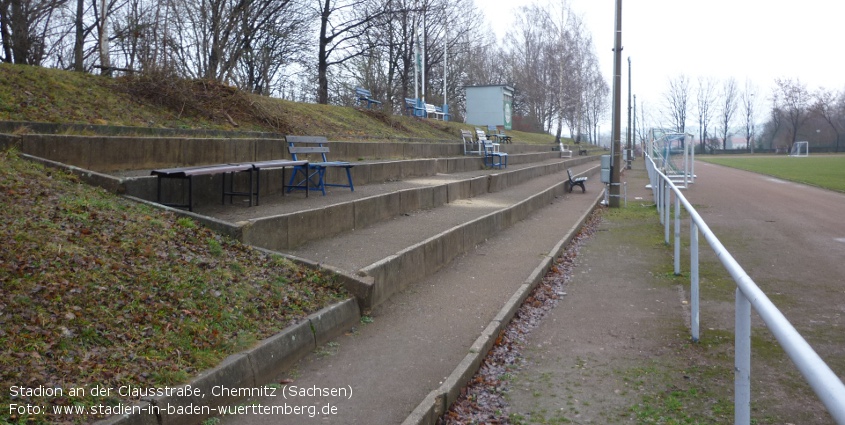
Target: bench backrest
pixel 430 108
pixel 466 136
pixel 569 173
pixel 305 150
pixel 488 147
pixel 482 136
pixel 362 92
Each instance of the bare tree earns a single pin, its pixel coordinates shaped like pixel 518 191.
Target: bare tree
pixel 792 99
pixel 704 102
pixel 749 96
pixel 24 28
pixel 342 25
pixel 729 99
pixel 826 105
pixel 677 102
pixel 597 95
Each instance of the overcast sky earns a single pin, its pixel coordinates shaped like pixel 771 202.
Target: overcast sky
pixel 756 39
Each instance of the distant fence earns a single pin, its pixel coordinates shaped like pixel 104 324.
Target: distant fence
pixel 821 378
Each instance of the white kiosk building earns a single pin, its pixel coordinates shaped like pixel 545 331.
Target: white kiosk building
pixel 489 105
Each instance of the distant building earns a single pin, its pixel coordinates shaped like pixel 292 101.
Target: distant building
pixel 489 105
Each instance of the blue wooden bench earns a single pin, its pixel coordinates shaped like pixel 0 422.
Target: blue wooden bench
pixel 412 109
pixel 492 157
pixel 313 174
pixel 364 95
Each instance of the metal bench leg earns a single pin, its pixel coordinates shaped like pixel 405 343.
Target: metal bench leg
pixel 349 178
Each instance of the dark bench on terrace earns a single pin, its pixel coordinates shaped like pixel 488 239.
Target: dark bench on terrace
pixel 577 181
pixel 314 173
pixel 581 150
pixel 364 95
pixel 188 173
pixel 498 131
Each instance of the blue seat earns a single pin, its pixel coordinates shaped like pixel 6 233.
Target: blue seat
pixel 313 175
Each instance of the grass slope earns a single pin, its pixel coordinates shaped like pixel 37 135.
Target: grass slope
pixel 37 94
pixel 97 290
pixel 825 171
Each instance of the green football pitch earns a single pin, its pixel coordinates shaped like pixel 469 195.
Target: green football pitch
pixel 826 171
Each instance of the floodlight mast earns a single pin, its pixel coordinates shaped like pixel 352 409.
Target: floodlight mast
pixel 616 161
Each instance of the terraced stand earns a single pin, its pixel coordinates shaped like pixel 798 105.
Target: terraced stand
pixel 433 248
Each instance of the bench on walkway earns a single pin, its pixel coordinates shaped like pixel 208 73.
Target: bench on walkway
pixel 364 95
pixel 492 157
pixel 577 181
pixel 470 145
pixel 313 174
pixel 188 173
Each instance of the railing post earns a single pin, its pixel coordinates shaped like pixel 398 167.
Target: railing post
pixel 742 361
pixel 666 198
pixel 659 200
pixel 677 235
pixel 694 290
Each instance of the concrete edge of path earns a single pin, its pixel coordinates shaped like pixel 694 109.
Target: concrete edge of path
pixel 438 401
pixel 245 370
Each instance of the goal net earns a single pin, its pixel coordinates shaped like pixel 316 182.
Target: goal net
pixel 800 149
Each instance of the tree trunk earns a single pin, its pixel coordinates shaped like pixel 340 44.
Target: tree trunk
pixel 322 60
pixel 5 36
pixel 79 43
pixel 104 38
pixel 20 34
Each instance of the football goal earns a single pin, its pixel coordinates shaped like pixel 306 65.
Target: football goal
pixel 800 149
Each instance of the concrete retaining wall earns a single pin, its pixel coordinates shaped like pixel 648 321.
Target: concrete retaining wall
pixel 396 272
pixel 110 153
pixel 286 231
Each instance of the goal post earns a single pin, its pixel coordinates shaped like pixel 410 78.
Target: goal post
pixel 800 149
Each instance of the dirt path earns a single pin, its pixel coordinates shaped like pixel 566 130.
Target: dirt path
pixel 617 349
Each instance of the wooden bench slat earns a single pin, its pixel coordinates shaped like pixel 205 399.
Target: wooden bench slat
pixel 308 149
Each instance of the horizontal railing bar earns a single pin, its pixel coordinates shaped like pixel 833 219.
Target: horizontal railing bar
pixel 825 383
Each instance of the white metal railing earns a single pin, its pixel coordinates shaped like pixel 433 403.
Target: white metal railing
pixel 825 383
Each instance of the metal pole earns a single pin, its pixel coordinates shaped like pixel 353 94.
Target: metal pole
pixel 617 105
pixel 694 290
pixel 742 362
pixel 667 196
pixel 677 235
pixel 445 54
pixel 629 144
pixel 634 131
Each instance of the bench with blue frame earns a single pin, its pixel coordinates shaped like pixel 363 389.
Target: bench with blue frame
pixel 313 174
pixel 364 95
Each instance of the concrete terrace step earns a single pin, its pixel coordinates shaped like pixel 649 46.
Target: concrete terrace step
pixel 422 334
pixel 421 225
